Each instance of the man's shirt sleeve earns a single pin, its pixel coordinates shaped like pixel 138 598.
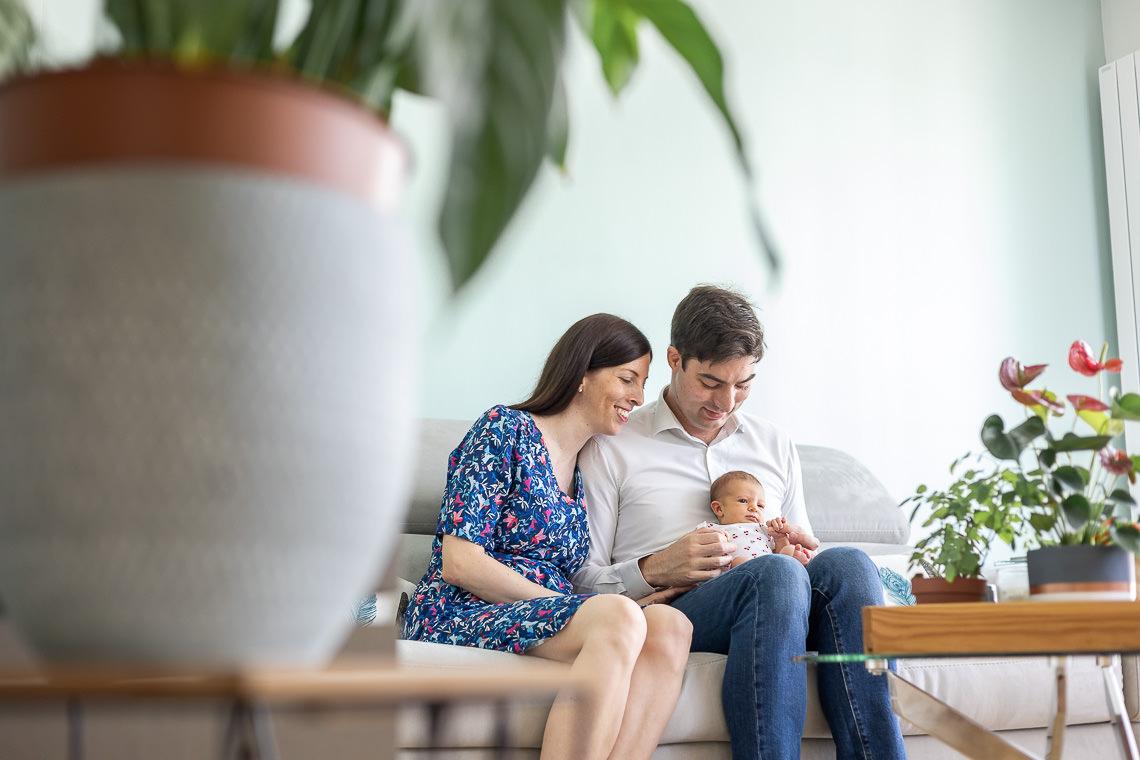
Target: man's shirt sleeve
pixel 600 573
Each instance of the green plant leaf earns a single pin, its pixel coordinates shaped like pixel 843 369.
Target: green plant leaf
pixel 494 63
pixel 1027 432
pixel 1127 407
pixel 1101 423
pixel 996 441
pixel 1127 536
pixel 189 31
pixel 1074 478
pixel 326 39
pixel 17 37
pixel 1071 442
pixel 1042 522
pixel 1048 457
pixel 1077 510
pixel 558 127
pixel 613 30
pixel 1120 496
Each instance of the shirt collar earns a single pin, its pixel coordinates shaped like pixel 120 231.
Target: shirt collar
pixel 664 419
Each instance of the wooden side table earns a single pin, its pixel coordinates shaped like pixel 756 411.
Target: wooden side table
pixel 1054 629
pixel 249 732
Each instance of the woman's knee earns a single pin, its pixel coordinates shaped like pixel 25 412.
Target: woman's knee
pixel 668 635
pixel 617 621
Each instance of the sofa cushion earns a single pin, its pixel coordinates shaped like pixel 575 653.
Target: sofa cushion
pixel 845 502
pixel 1000 693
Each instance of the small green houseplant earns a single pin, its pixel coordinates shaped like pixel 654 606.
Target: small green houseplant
pixel 982 505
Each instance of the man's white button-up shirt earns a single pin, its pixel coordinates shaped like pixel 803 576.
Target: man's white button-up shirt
pixel 649 485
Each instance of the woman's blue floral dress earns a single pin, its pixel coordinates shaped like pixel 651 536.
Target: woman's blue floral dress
pixel 502 494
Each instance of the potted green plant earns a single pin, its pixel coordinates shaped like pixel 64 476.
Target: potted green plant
pixel 980 506
pixel 205 330
pixel 1074 488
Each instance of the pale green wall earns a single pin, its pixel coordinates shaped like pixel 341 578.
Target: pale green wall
pixel 933 171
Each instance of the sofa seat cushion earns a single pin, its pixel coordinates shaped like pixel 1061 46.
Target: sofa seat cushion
pixel 1000 693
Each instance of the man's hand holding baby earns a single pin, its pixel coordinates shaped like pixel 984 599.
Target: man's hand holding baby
pixel 700 555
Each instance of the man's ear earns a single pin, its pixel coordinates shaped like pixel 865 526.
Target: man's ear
pixel 673 357
pixel 717 509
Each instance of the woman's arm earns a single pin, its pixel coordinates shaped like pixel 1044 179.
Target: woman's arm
pixel 468 566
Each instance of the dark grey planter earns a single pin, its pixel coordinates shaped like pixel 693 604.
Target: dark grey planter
pixel 1082 572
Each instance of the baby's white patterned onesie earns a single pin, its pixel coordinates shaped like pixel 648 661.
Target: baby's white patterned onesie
pixel 751 539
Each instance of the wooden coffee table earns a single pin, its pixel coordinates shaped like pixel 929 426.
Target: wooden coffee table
pixel 1057 630
pixel 250 694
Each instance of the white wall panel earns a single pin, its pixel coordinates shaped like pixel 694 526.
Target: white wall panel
pixel 1121 123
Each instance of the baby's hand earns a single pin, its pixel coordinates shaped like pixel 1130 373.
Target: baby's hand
pixel 778 525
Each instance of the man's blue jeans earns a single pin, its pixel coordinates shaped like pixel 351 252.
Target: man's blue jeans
pixel 766 611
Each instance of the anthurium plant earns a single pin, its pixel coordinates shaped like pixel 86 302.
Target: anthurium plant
pixel 496 65
pixel 1073 485
pixel 1036 484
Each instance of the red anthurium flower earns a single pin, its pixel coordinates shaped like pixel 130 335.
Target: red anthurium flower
pixel 1081 359
pixel 1087 403
pixel 1118 462
pixel 1039 398
pixel 1014 377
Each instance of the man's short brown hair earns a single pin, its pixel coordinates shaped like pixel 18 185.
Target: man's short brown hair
pixel 715 324
pixel 727 479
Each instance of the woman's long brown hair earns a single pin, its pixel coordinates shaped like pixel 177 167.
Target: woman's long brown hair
pixel 594 342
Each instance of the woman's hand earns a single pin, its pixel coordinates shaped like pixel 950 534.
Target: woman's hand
pixel 664 596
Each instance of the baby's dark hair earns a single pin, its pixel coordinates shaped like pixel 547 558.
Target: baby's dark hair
pixel 730 477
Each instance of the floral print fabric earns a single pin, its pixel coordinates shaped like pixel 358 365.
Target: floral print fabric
pixel 502 495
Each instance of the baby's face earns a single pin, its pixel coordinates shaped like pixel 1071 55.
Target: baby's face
pixel 740 502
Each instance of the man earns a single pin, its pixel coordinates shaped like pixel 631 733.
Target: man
pixel 648 487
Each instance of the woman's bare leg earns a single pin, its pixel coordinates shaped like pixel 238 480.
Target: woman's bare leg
pixel 602 640
pixel 656 682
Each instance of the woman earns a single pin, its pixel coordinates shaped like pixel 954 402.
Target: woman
pixel 512 531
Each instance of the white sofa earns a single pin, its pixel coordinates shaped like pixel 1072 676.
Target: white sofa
pixel 847 506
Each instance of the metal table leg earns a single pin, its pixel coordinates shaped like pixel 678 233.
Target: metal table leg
pixel 435 727
pixel 943 722
pixel 1114 695
pixel 249 733
pixel 261 729
pixel 502 729
pixel 1055 741
pixel 74 730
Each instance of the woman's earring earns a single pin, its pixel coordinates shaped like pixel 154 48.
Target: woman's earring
pixel 581 388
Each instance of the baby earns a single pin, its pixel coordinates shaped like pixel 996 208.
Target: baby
pixel 738 503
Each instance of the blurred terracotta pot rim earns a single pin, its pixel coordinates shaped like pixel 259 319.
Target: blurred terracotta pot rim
pixel 114 111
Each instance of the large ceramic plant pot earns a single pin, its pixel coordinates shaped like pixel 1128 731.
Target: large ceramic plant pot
pixel 1059 573
pixel 205 365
